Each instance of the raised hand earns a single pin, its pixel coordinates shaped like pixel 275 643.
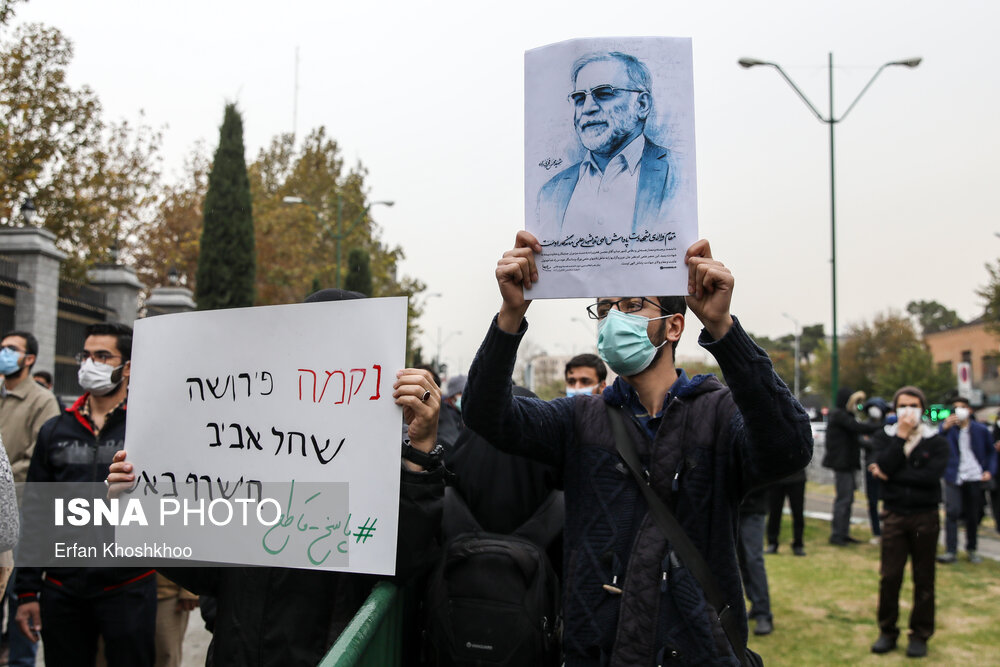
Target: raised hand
pixel 710 289
pixel 516 271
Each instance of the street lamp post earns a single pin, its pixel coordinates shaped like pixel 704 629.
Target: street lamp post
pixel 798 334
pixel 831 121
pixel 340 235
pixel 440 342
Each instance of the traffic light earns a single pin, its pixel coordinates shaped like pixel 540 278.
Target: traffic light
pixel 939 412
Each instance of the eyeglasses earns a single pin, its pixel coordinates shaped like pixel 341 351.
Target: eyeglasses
pixel 100 356
pixel 602 93
pixel 628 305
pixel 12 348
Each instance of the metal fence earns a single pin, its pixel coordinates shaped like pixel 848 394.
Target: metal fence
pixel 374 637
pixel 79 306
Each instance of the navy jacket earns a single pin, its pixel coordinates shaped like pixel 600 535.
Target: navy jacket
pixel 704 451
pixel 981 441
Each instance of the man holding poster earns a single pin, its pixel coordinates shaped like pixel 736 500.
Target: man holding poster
pixel 631 596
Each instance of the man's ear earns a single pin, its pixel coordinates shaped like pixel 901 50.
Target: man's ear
pixel 29 360
pixel 645 102
pixel 675 327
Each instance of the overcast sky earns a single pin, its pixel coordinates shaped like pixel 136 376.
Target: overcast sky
pixel 429 96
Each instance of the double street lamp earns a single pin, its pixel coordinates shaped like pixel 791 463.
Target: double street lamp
pixel 831 121
pixel 341 234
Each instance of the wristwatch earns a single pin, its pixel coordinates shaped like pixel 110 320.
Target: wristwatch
pixel 426 460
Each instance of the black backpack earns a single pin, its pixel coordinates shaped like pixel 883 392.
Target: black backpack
pixel 494 599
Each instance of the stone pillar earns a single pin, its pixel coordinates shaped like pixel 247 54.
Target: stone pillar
pixel 167 300
pixel 121 286
pixel 35 310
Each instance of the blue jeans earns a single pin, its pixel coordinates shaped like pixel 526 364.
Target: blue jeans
pixel 22 649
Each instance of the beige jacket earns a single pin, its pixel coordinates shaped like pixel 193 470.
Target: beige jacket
pixel 23 410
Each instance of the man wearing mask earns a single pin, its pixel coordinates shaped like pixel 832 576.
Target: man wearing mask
pixel 585 374
pixel 972 462
pixel 450 424
pixel 628 600
pixel 24 404
pixel 908 459
pixel 843 454
pixel 71 607
pixel 24 407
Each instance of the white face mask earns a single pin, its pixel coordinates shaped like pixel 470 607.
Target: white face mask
pixel 874 412
pixel 962 414
pixel 97 378
pixel 909 410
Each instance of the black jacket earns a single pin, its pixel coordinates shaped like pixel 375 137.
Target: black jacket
pixel 914 483
pixel 68 450
pixel 843 448
pixel 281 616
pixel 706 450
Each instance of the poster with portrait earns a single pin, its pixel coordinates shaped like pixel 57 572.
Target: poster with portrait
pixel 610 189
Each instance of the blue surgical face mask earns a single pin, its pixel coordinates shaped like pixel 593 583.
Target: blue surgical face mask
pixel 623 343
pixel 9 362
pixel 581 391
pixel 458 403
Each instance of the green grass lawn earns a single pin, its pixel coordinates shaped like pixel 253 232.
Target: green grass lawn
pixel 824 607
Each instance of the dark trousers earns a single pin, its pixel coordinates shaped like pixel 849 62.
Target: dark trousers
pixel 125 617
pixel 841 524
pixel 873 489
pixel 962 502
pixel 914 536
pixel 995 503
pixel 796 493
pixel 751 558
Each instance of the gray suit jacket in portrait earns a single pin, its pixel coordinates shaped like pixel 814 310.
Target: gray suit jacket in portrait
pixel 654 189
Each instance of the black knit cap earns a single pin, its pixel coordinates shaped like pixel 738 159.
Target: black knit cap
pixel 333 294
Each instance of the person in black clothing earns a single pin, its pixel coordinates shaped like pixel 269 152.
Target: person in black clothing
pixel 71 607
pixel 450 424
pixel 794 488
pixel 876 408
pixel 910 458
pixel 843 454
pixel 627 597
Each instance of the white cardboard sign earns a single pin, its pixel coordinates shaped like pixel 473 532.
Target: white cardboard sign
pixel 236 404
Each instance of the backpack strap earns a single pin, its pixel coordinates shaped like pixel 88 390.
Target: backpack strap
pixel 680 543
pixel 457 518
pixel 545 524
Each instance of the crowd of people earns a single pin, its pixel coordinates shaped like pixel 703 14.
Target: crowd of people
pixel 647 503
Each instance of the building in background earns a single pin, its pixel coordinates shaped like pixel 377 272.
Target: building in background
pixel 971 353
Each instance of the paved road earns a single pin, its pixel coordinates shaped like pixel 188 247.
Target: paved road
pixel 819 503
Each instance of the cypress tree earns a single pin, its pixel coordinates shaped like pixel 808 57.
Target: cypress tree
pixel 227 259
pixel 359 272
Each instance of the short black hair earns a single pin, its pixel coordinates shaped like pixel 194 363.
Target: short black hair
pixel 122 332
pixel 45 375
pixel 591 361
pixel 961 399
pixel 30 342
pixel 673 305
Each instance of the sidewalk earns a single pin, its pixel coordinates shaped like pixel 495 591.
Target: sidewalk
pixel 819 503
